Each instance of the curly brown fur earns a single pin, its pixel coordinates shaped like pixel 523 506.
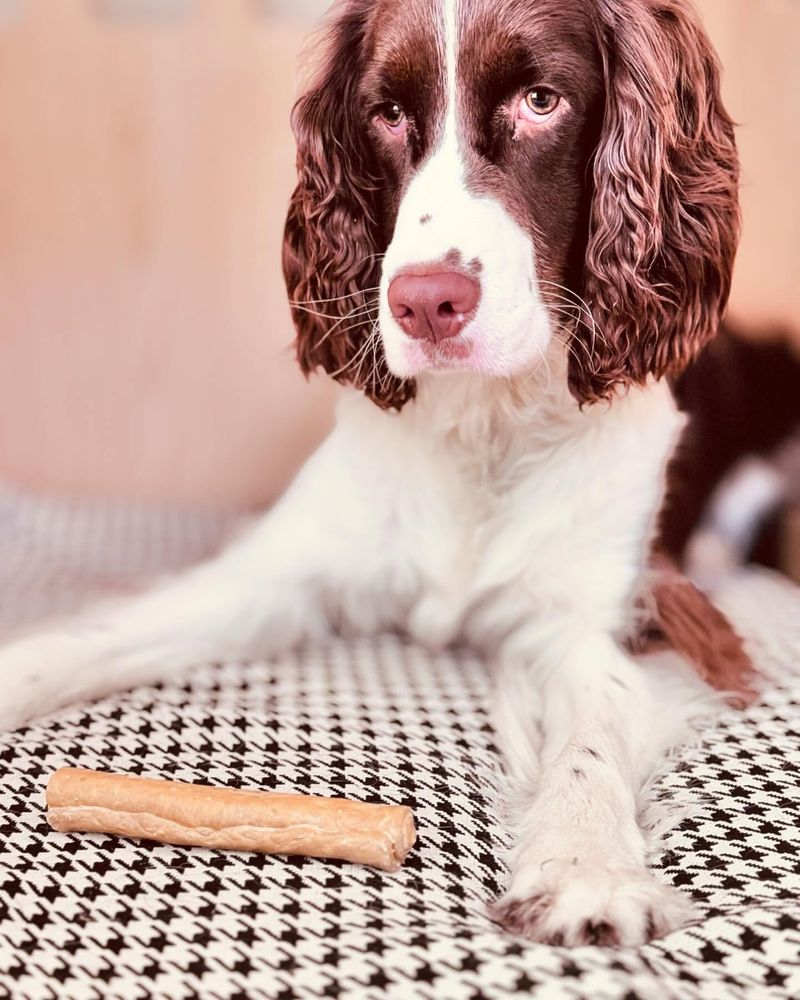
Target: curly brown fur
pixel 665 218
pixel 331 258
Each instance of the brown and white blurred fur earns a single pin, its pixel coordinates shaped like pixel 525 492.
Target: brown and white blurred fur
pixel 565 169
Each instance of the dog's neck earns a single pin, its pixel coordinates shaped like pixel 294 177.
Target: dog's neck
pixel 496 419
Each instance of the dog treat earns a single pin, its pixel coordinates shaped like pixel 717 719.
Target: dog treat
pixel 173 812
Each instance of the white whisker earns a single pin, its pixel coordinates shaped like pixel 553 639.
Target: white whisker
pixel 299 303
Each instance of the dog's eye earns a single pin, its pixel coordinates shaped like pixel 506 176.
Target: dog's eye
pixel 539 103
pixel 393 116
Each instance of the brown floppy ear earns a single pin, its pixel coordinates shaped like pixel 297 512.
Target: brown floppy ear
pixel 665 218
pixel 332 241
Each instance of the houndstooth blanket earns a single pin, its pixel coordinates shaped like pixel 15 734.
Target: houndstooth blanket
pixel 96 918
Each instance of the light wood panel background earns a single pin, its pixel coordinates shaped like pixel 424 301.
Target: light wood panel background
pixel 143 180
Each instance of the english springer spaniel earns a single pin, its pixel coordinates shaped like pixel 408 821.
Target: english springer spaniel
pixel 515 219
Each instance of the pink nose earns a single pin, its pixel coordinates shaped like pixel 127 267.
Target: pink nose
pixel 433 306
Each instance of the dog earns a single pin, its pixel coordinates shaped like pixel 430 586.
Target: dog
pixel 515 221
pixel 736 473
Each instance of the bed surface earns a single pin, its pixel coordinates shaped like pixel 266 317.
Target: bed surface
pixel 98 918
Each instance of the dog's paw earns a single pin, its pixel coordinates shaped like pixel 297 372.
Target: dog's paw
pixel 36 677
pixel 21 699
pixel 15 714
pixel 571 903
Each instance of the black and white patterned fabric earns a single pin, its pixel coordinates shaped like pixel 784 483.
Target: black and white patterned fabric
pixel 91 917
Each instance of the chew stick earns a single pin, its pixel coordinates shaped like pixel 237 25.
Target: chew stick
pixel 173 812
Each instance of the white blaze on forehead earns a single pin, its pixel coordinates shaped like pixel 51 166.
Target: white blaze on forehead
pixel 438 190
pixel 449 146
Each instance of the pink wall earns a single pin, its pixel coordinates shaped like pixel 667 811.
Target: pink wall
pixel 144 346
pixel 758 42
pixel 145 171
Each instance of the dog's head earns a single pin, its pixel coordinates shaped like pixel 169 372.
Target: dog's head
pixel 479 176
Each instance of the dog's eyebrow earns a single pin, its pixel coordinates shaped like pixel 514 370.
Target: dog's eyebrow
pixel 399 77
pixel 507 61
pixel 508 55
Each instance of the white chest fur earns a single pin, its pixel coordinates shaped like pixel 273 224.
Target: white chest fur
pixel 495 507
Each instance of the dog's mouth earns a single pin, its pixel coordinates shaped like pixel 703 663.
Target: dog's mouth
pixel 447 351
pixel 450 354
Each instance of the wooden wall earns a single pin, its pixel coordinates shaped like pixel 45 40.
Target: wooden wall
pixel 144 335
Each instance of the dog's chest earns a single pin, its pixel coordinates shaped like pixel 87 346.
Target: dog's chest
pixel 493 533
pixel 480 524
pixel 539 520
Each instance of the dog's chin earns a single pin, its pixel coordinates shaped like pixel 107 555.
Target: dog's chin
pixel 407 358
pixel 452 354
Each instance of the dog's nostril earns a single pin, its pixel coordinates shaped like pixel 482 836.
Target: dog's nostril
pixel 434 305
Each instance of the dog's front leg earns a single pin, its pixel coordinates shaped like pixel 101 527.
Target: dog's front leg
pixel 319 552
pixel 583 728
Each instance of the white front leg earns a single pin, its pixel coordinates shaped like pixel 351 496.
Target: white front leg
pixel 584 726
pixel 318 555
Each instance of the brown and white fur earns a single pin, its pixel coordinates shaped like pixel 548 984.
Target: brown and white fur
pixel 571 163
